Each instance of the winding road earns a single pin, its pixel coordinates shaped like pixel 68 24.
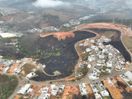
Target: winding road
pixel 122 28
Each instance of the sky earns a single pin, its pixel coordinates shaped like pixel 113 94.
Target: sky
pixel 93 4
pixel 49 3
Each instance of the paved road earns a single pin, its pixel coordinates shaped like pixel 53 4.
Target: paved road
pixel 85 79
pixel 21 82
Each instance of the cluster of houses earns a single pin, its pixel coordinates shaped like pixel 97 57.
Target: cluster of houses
pixel 15 67
pixel 83 89
pixel 127 77
pixel 9 35
pixel 28 90
pixel 53 90
pixel 5 65
pixel 100 91
pixel 46 29
pixel 25 89
pixel 7 11
pixel 44 92
pixel 105 89
pixel 102 57
pixel 74 22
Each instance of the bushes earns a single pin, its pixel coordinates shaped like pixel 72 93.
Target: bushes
pixel 7 85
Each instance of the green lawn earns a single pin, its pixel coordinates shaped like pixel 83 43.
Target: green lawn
pixel 7 85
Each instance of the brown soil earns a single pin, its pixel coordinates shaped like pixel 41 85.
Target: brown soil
pixel 63 35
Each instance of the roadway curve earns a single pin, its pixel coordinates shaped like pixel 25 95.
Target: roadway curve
pixel 124 30
pixel 119 27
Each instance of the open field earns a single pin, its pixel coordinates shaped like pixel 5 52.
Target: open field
pixel 7 86
pixel 128 42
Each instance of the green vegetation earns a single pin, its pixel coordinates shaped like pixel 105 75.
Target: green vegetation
pixel 1 14
pixel 85 56
pixel 7 85
pixel 37 53
pixel 54 19
pixel 130 82
pixel 8 57
pixel 127 22
pixel 46 54
pixel 107 97
pixel 27 68
pixel 127 41
pixel 104 73
pixel 23 50
pixel 66 28
pixel 83 70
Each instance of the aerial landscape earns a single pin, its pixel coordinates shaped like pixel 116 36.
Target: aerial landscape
pixel 65 49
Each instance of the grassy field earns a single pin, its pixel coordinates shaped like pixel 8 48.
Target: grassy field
pixel 128 42
pixel 7 85
pixel 27 68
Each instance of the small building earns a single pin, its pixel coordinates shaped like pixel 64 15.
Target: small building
pixel 31 75
pixel 5 69
pixel 83 90
pixel 128 74
pixel 44 96
pixel 7 35
pixel 24 89
pixel 54 90
pixel 88 49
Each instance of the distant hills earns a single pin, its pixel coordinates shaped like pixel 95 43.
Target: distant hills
pixel 21 15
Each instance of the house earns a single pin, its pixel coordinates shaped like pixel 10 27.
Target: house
pixel 5 69
pixel 44 96
pixel 31 75
pixel 83 90
pixel 127 77
pixel 97 96
pixel 7 35
pixel 128 74
pixel 54 89
pixel 24 89
pixel 44 93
